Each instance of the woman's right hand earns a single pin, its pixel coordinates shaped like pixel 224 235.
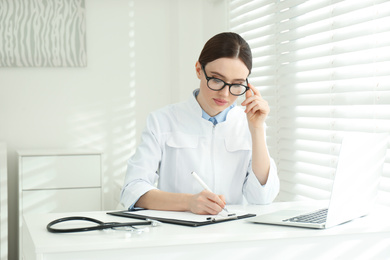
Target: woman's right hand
pixel 206 203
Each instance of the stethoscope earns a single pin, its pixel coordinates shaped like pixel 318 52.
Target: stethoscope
pixel 100 225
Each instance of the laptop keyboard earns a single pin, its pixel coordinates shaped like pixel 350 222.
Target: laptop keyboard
pixel 317 217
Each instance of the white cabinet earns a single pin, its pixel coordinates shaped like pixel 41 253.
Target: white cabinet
pixel 4 203
pixel 58 181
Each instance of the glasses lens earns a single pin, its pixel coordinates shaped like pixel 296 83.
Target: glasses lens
pixel 215 84
pixel 237 90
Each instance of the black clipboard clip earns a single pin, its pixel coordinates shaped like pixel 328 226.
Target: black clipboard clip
pixel 217 218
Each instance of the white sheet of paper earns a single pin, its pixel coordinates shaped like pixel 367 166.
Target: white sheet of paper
pixel 180 215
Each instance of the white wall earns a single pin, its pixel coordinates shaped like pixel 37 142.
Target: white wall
pixel 169 36
pixel 141 56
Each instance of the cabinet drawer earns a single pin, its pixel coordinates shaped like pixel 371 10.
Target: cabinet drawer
pixel 52 172
pixel 66 200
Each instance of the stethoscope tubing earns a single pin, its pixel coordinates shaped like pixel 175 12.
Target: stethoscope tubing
pixel 101 225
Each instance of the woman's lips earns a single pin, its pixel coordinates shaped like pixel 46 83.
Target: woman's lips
pixel 220 102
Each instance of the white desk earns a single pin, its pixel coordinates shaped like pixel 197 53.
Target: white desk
pixel 364 238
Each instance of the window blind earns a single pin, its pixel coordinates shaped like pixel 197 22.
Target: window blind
pixel 324 68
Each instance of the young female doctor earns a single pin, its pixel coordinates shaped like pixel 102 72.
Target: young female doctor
pixel 210 135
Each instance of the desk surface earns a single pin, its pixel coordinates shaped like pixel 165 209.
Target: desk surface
pixel 218 240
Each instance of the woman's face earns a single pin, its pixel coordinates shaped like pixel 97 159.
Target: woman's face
pixel 230 70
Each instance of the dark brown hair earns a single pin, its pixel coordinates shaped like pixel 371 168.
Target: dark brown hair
pixel 226 45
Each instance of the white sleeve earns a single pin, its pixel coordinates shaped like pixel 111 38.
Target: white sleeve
pixel 255 193
pixel 142 167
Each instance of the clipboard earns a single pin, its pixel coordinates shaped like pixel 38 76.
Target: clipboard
pixel 179 218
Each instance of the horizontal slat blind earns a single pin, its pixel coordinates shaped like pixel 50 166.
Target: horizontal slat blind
pixel 324 68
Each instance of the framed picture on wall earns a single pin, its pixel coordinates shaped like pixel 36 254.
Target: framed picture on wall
pixel 42 33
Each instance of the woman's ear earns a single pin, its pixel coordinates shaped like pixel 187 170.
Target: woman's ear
pixel 198 69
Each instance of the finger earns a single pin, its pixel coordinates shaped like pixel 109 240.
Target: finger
pixel 208 211
pixel 203 205
pixel 212 208
pixel 215 203
pixel 222 197
pixel 251 94
pixel 252 107
pixel 254 89
pixel 248 93
pixel 251 102
pixel 248 96
pixel 216 200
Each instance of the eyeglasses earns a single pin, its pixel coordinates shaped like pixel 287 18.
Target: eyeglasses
pixel 218 84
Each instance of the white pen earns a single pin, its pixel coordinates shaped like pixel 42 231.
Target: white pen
pixel 204 185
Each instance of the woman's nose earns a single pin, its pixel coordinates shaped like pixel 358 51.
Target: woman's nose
pixel 225 91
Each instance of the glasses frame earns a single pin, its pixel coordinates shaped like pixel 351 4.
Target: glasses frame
pixel 225 84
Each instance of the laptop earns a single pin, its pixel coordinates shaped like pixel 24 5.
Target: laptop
pixel 354 190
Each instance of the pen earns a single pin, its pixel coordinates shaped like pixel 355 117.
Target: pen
pixel 204 185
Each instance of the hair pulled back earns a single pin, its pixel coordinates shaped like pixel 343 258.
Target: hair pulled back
pixel 226 45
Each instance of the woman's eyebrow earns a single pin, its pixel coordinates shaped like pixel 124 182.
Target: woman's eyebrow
pixel 224 78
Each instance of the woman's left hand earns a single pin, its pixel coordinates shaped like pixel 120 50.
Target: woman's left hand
pixel 256 109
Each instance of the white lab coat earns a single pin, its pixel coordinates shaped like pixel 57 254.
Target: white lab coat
pixel 177 141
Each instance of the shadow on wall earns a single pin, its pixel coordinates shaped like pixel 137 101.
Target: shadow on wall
pixel 120 141
pixel 116 145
